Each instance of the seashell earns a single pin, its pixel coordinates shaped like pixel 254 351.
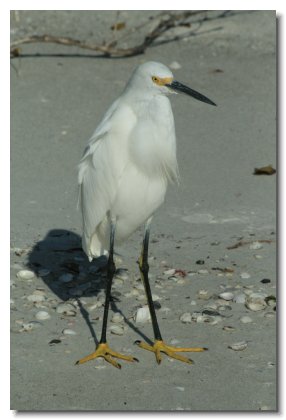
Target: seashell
pixel 117 282
pixel 181 281
pixel 256 302
pixel 142 315
pixel 211 306
pixel 42 315
pixel 240 298
pixel 44 272
pixel 226 295
pixel 224 308
pixel 210 312
pixel 116 329
pixel 195 316
pixel 169 272
pixel 175 65
pixel 117 260
pixel 248 291
pixel 117 317
pixel 244 275
pixel 29 326
pixel 255 245
pixel 35 297
pixel 186 318
pixel 25 275
pixel 121 274
pixel 246 319
pixel 238 346
pixel 228 328
pixel 203 294
pixel 68 331
pixel 66 278
pixel 270 300
pixel 94 306
pixel 66 309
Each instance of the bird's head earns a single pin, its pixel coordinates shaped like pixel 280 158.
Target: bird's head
pixel 157 78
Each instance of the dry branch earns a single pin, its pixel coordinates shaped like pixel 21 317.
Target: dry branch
pixel 166 22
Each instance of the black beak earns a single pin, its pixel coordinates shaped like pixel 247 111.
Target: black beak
pixel 179 87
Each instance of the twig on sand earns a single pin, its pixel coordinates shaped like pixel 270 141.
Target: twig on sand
pixel 167 21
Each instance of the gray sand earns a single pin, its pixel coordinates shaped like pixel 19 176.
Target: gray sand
pixel 57 102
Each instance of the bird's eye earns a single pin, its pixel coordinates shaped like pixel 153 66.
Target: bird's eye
pixel 155 79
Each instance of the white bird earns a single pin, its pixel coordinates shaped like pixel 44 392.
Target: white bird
pixel 123 177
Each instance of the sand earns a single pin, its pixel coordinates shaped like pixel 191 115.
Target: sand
pixel 58 96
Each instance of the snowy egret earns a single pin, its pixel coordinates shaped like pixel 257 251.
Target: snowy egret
pixel 123 177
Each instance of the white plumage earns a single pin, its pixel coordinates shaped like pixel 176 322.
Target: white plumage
pixel 130 158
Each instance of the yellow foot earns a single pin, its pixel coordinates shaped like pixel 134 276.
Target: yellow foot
pixel 159 346
pixel 104 351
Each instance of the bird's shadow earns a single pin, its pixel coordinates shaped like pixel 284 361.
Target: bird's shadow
pixel 61 253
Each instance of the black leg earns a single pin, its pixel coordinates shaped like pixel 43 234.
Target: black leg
pixel 103 349
pixel 110 274
pixel 144 268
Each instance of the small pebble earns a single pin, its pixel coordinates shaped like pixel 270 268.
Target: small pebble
pixel 117 318
pixel 255 245
pixel 35 297
pixel 238 346
pixel 68 331
pixel 174 341
pixel 226 295
pixel 180 388
pixel 265 281
pixel 169 272
pixel 258 257
pixel 116 329
pixel 25 274
pixel 29 326
pixel 203 271
pixel 246 319
pixel 66 309
pixel 203 294
pixel 121 274
pixel 186 318
pixel 55 341
pixel 42 315
pixel 142 315
pixel 240 298
pixel 200 262
pixel 269 315
pixel 228 328
pixel 175 65
pixel 245 275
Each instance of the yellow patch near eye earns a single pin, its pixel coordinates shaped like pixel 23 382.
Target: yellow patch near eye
pixel 162 81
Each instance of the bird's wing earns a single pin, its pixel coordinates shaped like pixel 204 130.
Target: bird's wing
pixel 102 164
